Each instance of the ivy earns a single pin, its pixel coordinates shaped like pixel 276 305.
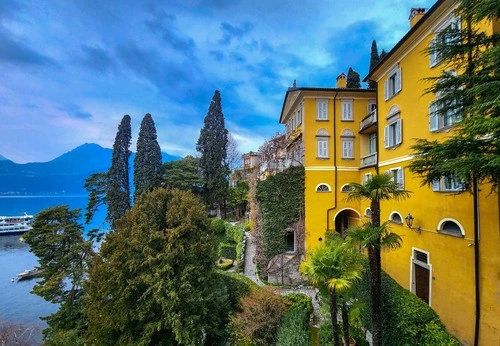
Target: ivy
pixel 281 199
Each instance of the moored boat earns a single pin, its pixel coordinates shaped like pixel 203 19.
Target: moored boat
pixel 15 224
pixel 29 274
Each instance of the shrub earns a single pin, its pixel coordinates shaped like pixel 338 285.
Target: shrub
pixel 294 330
pixel 301 301
pixel 218 226
pixel 406 319
pixel 259 319
pixel 237 286
pixel 225 265
pixel 248 227
pixel 227 250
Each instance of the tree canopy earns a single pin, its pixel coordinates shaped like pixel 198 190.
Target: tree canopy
pixel 353 79
pixel 153 281
pixel 184 174
pixel 374 59
pixel 147 162
pixel 212 145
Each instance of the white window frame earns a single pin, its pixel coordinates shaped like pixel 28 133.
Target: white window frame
pixel 398 176
pixel 329 189
pixel 442 222
pixel 347 110
pixel 366 177
pixel 348 148
pixel 391 216
pixel 322 144
pixel 372 106
pixel 393 133
pixel 448 23
pixel 447 184
pixel 372 143
pixel 322 109
pixel 392 88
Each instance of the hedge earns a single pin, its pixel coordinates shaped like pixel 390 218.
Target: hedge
pixel 225 265
pixel 294 329
pixel 237 286
pixel 406 320
pixel 227 250
pixel 218 226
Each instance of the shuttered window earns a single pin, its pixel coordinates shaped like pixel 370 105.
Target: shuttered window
pixel 347 110
pixel 392 84
pixel 322 144
pixel 321 109
pixel 393 134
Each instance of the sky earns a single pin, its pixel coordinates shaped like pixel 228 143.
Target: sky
pixel 70 70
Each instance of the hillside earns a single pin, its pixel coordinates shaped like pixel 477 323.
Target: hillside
pixel 65 174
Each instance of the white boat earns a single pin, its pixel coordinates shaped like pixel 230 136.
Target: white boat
pixel 15 224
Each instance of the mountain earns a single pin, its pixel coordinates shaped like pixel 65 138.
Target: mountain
pixel 65 174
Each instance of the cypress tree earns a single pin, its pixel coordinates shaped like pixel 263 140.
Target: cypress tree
pixel 374 59
pixel 383 53
pixel 212 145
pixel 118 188
pixel 147 162
pixel 353 79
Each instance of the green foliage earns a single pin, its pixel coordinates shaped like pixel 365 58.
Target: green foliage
pixel 237 286
pixel 184 174
pixel 374 59
pixel 281 200
pixel 147 162
pixel 294 330
pixel 225 265
pixel 227 251
pixel 406 319
pixel 353 79
pixel 472 150
pixel 212 145
pixel 57 240
pixel 301 301
pixel 326 334
pixel 95 185
pixel 218 226
pixel 153 281
pixel 238 197
pixel 258 322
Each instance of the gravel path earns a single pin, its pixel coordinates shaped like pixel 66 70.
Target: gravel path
pixel 250 270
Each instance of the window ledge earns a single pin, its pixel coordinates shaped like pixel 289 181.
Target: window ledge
pixel 393 147
pixel 444 129
pixel 347 120
pixel 396 222
pixel 450 234
pixel 348 158
pixel 322 120
pixel 323 158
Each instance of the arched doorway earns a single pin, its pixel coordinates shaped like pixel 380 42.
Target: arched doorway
pixel 346 218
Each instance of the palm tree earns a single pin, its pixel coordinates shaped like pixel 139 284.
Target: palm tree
pixel 336 265
pixel 373 236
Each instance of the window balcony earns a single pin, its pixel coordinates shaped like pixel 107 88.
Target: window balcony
pixel 368 123
pixel 369 160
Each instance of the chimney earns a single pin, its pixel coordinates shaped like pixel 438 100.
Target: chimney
pixel 342 80
pixel 415 15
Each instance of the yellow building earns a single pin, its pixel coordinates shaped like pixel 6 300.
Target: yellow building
pixel 332 132
pixel 437 260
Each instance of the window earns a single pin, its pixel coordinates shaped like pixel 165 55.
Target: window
pixel 346 188
pixel 322 140
pixel 347 110
pixel 393 133
pixel 447 33
pixel 372 106
pixel 368 212
pixel 396 218
pixel 323 188
pixel 366 178
pixel 450 227
pixel 447 184
pixel 321 109
pixel 393 83
pixel 347 138
pixel 397 176
pixel 372 143
pixel 290 241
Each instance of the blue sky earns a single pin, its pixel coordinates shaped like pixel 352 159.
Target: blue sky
pixel 70 70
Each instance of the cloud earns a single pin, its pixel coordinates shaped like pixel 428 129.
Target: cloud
pixel 163 24
pixel 97 58
pixel 17 53
pixel 229 32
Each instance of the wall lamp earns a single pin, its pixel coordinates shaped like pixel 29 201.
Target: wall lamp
pixel 409 222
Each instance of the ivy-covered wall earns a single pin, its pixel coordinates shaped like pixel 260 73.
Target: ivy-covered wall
pixel 281 199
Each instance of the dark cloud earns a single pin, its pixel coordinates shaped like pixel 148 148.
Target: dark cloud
pixel 351 46
pixel 15 52
pixel 163 24
pixel 75 111
pixel 230 31
pixel 97 58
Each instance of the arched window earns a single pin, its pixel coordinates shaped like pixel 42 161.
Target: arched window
pixel 323 188
pixel 396 218
pixel 451 227
pixel 346 188
pixel 368 212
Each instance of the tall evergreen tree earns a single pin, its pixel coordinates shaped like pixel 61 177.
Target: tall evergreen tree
pixel 184 174
pixel 383 53
pixel 212 145
pixel 374 59
pixel 353 79
pixel 118 187
pixel 147 163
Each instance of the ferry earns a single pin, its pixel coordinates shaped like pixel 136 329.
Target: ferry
pixel 15 224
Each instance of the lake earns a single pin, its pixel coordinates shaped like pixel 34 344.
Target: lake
pixel 17 304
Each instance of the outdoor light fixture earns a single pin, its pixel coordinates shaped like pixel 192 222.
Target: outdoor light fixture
pixel 409 222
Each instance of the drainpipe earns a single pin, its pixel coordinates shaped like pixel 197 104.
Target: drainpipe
pixel 335 175
pixel 475 196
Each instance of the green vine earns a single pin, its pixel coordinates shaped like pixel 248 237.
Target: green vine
pixel 281 200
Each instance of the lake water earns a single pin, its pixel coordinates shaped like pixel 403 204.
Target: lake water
pixel 17 304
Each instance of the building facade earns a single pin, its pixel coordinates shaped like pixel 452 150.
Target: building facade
pixel 347 135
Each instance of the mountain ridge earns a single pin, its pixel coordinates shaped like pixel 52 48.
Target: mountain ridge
pixel 64 174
